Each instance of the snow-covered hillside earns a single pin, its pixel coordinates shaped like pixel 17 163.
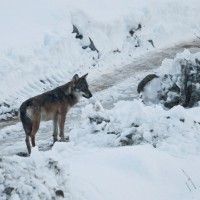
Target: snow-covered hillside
pixel 129 151
pixel 38 50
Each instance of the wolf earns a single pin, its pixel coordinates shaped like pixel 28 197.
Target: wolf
pixel 52 105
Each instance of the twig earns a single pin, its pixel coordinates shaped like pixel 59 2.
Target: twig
pixel 188 187
pixel 189 179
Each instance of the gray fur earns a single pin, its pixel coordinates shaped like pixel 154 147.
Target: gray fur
pixel 52 105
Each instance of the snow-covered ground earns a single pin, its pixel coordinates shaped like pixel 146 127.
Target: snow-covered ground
pixel 164 161
pixel 137 172
pixel 124 151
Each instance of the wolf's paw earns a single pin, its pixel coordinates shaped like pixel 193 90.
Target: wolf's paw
pixel 22 154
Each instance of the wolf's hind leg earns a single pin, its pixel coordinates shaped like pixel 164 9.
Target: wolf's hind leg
pixel 35 127
pixel 28 129
pixel 28 143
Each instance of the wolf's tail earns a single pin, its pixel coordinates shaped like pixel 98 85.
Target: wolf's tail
pixel 26 121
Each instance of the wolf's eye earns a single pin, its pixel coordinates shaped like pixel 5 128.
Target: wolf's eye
pixel 83 87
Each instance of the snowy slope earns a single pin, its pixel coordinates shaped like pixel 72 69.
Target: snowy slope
pixel 38 50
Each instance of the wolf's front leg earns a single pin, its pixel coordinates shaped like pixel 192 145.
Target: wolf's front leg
pixel 62 118
pixel 55 129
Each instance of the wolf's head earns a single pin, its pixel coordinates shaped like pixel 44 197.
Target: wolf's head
pixel 81 86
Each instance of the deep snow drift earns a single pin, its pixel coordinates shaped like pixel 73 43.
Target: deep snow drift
pixel 120 173
pixel 164 159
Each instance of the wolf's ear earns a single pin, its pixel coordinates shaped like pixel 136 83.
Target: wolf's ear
pixel 84 76
pixel 75 78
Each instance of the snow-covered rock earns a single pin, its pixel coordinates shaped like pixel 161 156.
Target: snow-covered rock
pixel 175 84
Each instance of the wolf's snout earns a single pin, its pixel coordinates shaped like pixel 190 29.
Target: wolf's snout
pixel 89 95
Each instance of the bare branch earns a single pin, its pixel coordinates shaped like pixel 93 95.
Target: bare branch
pixel 189 179
pixel 188 186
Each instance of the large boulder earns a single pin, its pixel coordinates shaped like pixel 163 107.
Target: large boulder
pixel 181 88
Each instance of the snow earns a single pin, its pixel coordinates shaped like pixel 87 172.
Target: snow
pixel 109 173
pixel 123 151
pixel 115 172
pixel 175 131
pixel 173 66
pixel 95 165
pixel 39 51
pixel 169 67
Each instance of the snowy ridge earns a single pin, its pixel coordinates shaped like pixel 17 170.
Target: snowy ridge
pixel 176 131
pixel 47 67
pixel 132 123
pixel 48 48
pixel 37 187
pixel 165 88
pixel 44 76
pixel 173 66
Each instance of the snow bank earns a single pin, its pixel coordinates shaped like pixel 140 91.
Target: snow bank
pixel 37 177
pixel 131 123
pixel 173 66
pixel 176 131
pixel 162 159
pixel 38 50
pixel 108 174
pixel 175 83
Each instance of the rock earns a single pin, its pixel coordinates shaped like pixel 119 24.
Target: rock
pixel 8 190
pixel 78 35
pixel 174 88
pixel 151 42
pixel 92 46
pixel 172 103
pixel 134 30
pixel 144 82
pixel 184 79
pixel 98 120
pixel 131 32
pixel 177 89
pixel 60 193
